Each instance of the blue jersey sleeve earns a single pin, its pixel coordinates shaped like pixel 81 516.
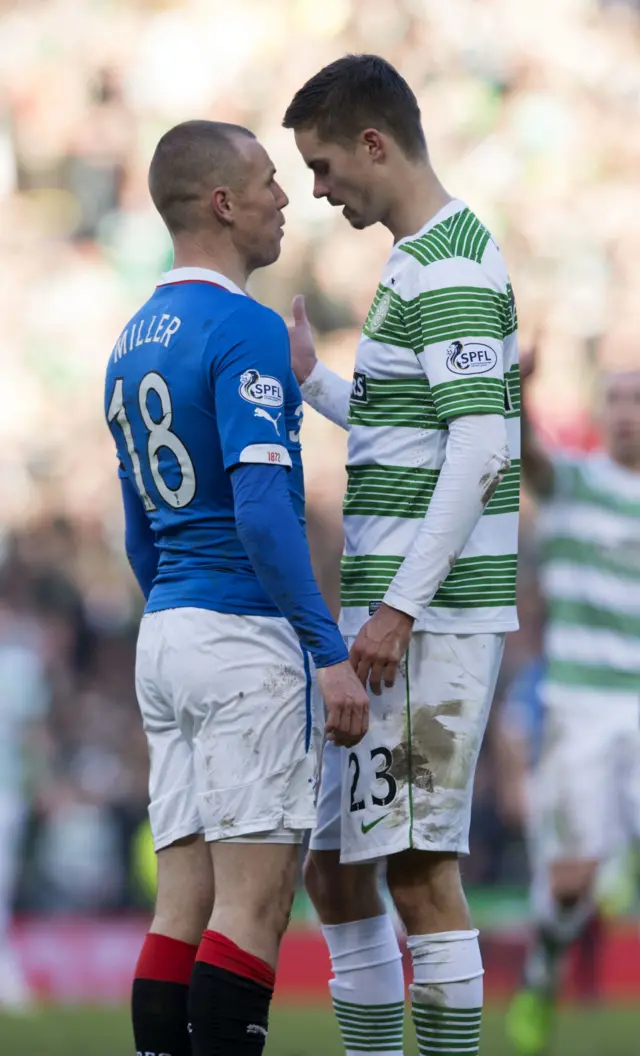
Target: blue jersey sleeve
pixel 249 369
pixel 277 548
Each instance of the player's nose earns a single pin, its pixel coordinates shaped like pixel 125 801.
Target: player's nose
pixel 282 199
pixel 320 188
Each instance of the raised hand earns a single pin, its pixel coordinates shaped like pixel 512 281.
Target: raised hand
pixel 303 352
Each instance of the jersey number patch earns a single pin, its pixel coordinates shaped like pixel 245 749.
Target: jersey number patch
pixel 160 435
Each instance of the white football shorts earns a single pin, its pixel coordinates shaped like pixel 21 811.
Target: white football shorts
pixel 409 782
pixel 228 708
pixel 585 790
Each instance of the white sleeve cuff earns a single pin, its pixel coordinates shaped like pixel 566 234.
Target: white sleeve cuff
pixel 273 454
pixel 328 394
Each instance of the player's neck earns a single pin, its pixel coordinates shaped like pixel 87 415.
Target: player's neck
pixel 420 196
pixel 224 260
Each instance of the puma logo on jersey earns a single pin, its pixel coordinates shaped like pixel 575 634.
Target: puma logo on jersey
pixel 259 413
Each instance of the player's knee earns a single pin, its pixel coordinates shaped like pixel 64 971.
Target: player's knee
pixel 341 893
pixel 263 909
pixel 317 881
pixel 427 892
pixel 278 911
pixel 186 917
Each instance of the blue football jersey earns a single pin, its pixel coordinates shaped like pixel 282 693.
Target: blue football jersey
pixel 199 381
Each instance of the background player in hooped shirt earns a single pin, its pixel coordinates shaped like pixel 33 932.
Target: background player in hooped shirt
pixel 205 412
pixel 429 568
pixel 585 788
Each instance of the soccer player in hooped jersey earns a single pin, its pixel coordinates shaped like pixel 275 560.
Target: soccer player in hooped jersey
pixel 585 801
pixel 429 567
pixel 206 412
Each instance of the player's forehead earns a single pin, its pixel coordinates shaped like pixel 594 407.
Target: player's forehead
pixel 315 150
pixel 255 156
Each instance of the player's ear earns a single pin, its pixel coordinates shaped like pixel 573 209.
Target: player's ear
pixel 374 144
pixel 222 205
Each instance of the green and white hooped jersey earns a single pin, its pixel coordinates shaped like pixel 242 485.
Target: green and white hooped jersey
pixel 590 531
pixel 440 341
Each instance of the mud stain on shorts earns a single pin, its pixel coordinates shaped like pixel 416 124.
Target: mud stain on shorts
pixel 409 762
pixel 249 739
pixel 426 758
pixel 279 680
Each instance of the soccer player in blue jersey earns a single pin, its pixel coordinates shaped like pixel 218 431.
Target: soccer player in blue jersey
pixel 206 413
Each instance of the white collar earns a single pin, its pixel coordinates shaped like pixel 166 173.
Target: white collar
pixel 456 205
pixel 200 275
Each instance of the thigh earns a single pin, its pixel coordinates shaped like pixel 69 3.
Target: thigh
pixel 408 784
pixel 244 695
pixel 326 832
pixel 574 813
pixel 173 812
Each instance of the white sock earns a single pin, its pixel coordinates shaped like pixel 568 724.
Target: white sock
pixel 367 985
pixel 446 994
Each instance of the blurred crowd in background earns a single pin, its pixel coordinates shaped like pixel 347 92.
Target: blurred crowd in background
pixel 532 116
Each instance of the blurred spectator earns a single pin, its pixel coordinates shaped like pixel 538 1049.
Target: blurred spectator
pixel 24 700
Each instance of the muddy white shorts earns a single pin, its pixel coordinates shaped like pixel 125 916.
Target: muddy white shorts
pixel 409 782
pixel 585 790
pixel 228 707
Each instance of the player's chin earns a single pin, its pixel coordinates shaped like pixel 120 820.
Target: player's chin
pixel 270 254
pixel 357 221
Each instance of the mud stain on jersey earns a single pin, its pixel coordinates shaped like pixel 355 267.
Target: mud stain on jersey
pixel 490 480
pixel 313 390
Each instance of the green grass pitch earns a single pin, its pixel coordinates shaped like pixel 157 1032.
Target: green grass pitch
pixel 304 1031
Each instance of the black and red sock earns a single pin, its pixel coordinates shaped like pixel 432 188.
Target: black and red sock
pixel 160 997
pixel 229 999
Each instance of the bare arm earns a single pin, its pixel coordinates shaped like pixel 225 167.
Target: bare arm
pixel 537 467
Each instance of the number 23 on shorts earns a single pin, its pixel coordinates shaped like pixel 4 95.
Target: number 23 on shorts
pixel 371 785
